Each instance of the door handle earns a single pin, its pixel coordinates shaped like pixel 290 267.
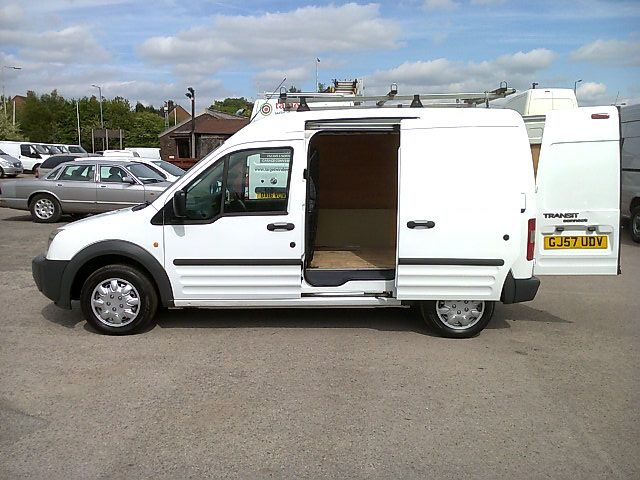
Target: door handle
pixel 421 224
pixel 103 186
pixel 280 227
pixel 58 184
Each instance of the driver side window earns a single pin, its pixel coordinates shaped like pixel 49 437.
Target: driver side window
pixel 250 181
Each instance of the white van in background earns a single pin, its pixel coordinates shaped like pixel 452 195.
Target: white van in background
pixel 382 207
pixel 145 152
pixel 533 105
pixel 31 155
pixel 630 198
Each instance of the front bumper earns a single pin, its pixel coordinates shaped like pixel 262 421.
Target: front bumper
pixel 11 170
pixel 48 277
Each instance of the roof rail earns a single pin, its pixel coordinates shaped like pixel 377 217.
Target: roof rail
pixel 301 101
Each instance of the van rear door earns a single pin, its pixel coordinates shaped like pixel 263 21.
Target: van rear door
pixel 578 193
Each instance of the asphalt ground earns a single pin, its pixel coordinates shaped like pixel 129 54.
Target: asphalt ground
pixel 550 389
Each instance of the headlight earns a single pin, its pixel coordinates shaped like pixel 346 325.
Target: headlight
pixel 5 163
pixel 52 235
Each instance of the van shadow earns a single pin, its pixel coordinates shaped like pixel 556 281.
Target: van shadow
pixel 524 313
pixel 382 319
pixel 61 316
pixel 385 319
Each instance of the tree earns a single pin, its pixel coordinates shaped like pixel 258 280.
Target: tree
pixel 8 131
pixel 294 89
pixel 321 87
pixel 144 130
pixel 233 106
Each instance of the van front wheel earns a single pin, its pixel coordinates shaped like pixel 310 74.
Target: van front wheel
pixel 457 318
pixel 635 225
pixel 118 300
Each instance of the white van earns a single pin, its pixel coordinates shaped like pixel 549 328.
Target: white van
pixel 630 202
pixel 31 155
pixel 381 208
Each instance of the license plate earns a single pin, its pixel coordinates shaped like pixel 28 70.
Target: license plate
pixel 591 242
pixel 271 195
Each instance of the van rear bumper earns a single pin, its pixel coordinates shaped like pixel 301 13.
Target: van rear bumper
pixel 518 290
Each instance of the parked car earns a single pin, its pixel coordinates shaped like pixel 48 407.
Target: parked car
pixel 167 170
pixel 53 161
pixel 9 165
pixel 76 149
pixel 87 186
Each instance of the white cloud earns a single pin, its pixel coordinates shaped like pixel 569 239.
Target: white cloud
pixel 611 52
pixel 267 80
pixel 443 75
pixel 592 93
pixel 11 17
pixel 432 5
pixel 275 40
pixel 487 2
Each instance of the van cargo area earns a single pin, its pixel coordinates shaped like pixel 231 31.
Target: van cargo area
pixel 352 202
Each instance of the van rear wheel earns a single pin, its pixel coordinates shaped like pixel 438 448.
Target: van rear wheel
pixel 457 318
pixel 118 300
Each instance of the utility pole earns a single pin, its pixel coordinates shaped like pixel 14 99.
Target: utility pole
pixel 317 62
pixel 101 118
pixel 191 94
pixel 4 99
pixel 78 117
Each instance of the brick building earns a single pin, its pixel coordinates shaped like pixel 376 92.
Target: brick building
pixel 212 128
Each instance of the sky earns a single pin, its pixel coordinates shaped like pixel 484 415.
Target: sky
pixel 151 51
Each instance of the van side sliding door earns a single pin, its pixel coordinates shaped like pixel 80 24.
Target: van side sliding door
pixel 458 209
pixel 578 193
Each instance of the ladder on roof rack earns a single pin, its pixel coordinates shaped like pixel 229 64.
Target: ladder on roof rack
pixel 301 101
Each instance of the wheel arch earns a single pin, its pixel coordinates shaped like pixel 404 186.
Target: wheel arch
pixel 110 252
pixel 40 192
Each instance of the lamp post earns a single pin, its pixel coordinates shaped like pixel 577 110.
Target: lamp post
pixel 4 100
pixel 575 85
pixel 191 94
pixel 101 118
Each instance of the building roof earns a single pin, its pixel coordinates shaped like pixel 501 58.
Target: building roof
pixel 210 121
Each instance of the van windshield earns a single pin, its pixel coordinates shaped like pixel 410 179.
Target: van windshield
pixel 1 152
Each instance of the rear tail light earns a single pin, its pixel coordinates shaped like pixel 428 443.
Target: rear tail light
pixel 599 116
pixel 531 238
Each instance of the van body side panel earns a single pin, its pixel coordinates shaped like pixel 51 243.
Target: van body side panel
pixel 459 221
pixel 578 193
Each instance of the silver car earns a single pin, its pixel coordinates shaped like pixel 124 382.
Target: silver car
pixel 9 166
pixel 87 186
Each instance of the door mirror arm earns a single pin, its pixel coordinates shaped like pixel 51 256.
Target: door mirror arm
pixel 180 204
pixel 129 180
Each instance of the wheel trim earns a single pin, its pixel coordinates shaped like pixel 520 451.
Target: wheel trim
pixel 460 314
pixel 115 302
pixel 44 208
pixel 635 225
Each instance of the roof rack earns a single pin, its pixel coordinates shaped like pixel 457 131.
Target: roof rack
pixel 300 101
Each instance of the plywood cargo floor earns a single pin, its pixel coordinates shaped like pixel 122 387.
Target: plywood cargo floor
pixel 354 259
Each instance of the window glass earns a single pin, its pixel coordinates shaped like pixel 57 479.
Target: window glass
pixel 145 173
pixel 2 152
pixel 169 167
pixel 41 149
pixel 25 150
pixel 112 174
pixel 53 174
pixel 204 196
pixel 258 181
pixel 78 173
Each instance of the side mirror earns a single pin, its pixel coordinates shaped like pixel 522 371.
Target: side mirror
pixel 180 204
pixel 129 180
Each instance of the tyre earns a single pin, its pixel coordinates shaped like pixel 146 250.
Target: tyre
pixel 118 300
pixel 35 167
pixel 1 173
pixel 635 225
pixel 457 318
pixel 45 208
